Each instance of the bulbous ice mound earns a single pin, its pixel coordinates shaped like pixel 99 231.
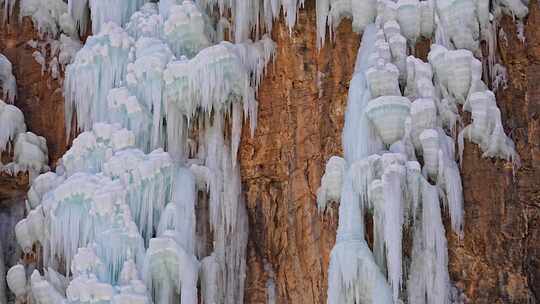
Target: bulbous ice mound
pixel 7 80
pixel 91 149
pixel 88 209
pixel 430 145
pixel 41 185
pixel 30 154
pixel 383 79
pixel 486 128
pixel 146 22
pixel 185 30
pixel 388 115
pixel 354 277
pixel 191 83
pixel 331 12
pixel 423 116
pixel 126 110
pixel 11 124
pixel 16 280
pixel 331 183
pixel 49 16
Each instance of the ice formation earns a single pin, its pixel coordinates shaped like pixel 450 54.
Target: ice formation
pixel 118 217
pixel 7 80
pixel 11 124
pixel 331 183
pixel 116 11
pixel 400 151
pixel 49 17
pixel 30 154
pixel 119 213
pixel 98 67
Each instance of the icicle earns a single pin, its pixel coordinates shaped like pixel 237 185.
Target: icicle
pixel 117 11
pixel 209 274
pixel 145 79
pixel 7 80
pixel 185 198
pixel 98 67
pixel 78 9
pixel 91 149
pixel 360 140
pixel 353 275
pixel 429 274
pixel 169 270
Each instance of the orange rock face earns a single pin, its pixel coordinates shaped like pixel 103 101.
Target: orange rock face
pixel 498 261
pixel 301 109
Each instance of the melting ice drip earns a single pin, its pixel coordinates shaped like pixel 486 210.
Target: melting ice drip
pixel 116 222
pixel 399 161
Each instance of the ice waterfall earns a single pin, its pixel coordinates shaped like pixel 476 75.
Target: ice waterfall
pixel 160 101
pixel 400 160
